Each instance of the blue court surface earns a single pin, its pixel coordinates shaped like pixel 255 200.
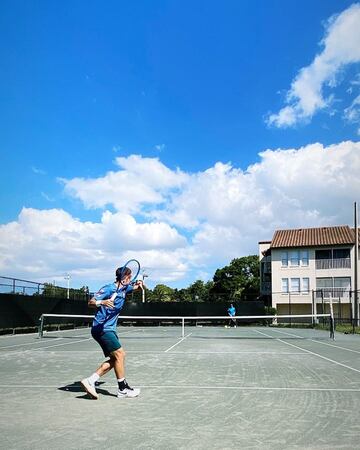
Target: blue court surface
pixel 215 388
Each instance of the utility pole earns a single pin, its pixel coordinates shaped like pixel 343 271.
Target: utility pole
pixel 143 289
pixel 356 259
pixel 68 277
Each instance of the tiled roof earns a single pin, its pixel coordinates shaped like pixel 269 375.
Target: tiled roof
pixel 353 232
pixel 313 237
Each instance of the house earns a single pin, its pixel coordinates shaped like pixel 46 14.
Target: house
pixel 300 269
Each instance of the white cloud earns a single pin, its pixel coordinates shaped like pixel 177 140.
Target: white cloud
pixel 341 47
pixel 139 181
pixel 208 217
pixel 160 147
pixel 352 113
pixel 38 171
pixel 52 242
pixel 47 197
pixel 122 230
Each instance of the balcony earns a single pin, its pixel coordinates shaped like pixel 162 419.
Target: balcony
pixel 339 263
pixel 339 292
pixel 266 287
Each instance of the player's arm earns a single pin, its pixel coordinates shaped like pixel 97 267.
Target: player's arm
pixel 94 303
pixel 139 284
pixel 101 299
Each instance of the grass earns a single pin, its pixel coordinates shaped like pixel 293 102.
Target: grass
pixel 347 329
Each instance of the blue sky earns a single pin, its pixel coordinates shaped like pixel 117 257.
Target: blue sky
pixel 198 91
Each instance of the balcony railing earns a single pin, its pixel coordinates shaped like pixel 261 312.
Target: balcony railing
pixel 333 292
pixel 339 263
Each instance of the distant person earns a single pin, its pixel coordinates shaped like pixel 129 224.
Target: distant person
pixel 109 301
pixel 232 313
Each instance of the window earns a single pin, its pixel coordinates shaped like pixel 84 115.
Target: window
pixel 342 285
pixel 322 283
pixel 305 258
pixel 337 286
pixel 284 259
pixel 305 285
pixel 341 253
pixel 294 258
pixel 284 285
pixel 295 284
pixel 323 254
pixel 324 286
pixel 342 282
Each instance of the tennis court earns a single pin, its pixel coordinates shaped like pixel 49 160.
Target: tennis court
pixel 247 387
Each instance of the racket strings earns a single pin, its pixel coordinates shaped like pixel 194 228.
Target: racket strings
pixel 130 272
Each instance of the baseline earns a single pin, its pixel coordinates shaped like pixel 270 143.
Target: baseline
pixel 192 387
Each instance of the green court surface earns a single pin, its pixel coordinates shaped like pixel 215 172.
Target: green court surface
pixel 216 388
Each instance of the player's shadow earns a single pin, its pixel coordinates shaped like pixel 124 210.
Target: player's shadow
pixel 77 387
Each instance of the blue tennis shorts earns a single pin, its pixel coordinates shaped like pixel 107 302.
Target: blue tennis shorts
pixel 108 341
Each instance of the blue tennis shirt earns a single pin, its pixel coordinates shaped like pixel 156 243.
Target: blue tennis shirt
pixel 106 318
pixel 232 311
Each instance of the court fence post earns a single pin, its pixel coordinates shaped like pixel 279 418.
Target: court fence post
pixel 183 327
pixel 312 308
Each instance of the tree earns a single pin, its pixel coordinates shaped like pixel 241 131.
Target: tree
pixel 239 280
pixel 162 293
pixel 50 290
pixel 198 291
pixel 182 295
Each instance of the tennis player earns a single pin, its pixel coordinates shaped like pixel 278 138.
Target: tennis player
pixel 232 313
pixel 109 301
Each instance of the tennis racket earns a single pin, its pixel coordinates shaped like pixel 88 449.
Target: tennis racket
pixel 128 273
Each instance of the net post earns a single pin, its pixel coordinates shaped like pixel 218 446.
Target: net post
pixel 41 326
pixel 183 327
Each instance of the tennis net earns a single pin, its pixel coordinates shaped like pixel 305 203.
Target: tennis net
pixel 198 326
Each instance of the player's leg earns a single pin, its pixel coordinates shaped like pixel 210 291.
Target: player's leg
pixel 105 367
pixel 124 390
pixel 108 344
pixel 118 360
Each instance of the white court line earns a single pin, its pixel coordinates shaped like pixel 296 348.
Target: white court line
pixel 56 345
pixel 69 343
pixel 27 343
pixel 16 352
pixel 236 353
pixel 320 342
pixel 161 352
pixel 311 353
pixel 7 336
pixel 191 387
pixel 42 348
pixel 177 343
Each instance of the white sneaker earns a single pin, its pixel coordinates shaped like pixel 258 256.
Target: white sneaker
pixel 128 392
pixel 89 388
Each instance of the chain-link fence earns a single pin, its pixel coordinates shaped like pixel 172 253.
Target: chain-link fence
pixel 18 286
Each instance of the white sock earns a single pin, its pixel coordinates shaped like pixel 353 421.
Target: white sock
pixel 94 378
pixel 121 379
